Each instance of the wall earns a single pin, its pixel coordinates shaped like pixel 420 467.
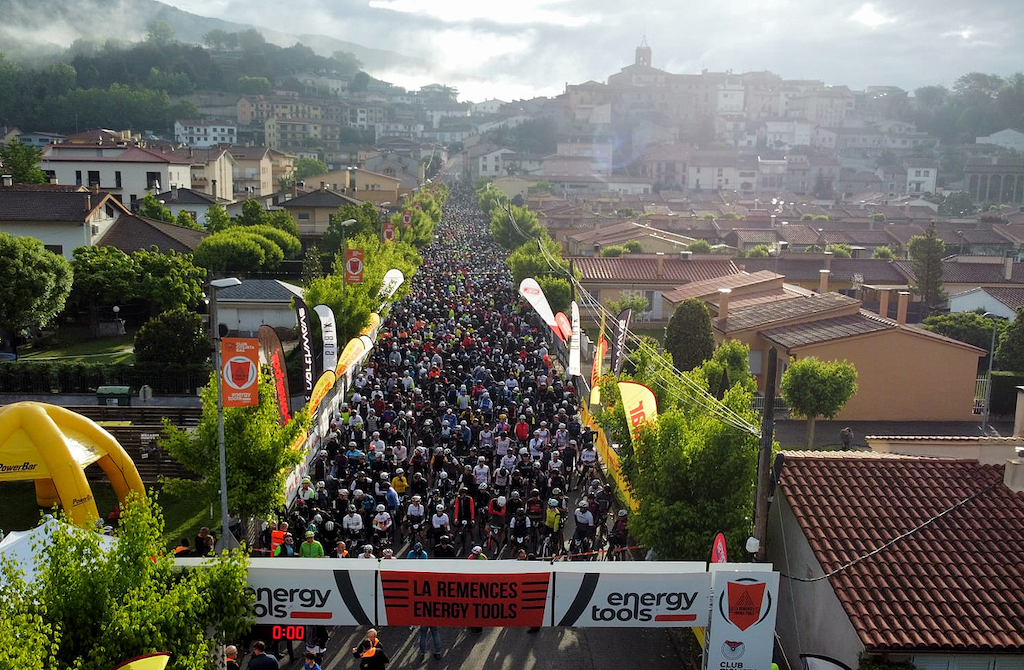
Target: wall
pixel 810 618
pixel 248 319
pixel 986 450
pixel 972 300
pixel 905 377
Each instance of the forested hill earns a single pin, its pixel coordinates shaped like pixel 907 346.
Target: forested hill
pixel 32 29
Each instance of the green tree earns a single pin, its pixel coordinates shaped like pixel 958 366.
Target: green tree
pixel 103 276
pixel 885 253
pixel 840 250
pixel 237 250
pixel 21 161
pixel 969 327
pixel 258 449
pixel 288 243
pixel 307 167
pixel 282 220
pixel 813 388
pixel 958 204
pixel 254 85
pixel 175 337
pixel 688 335
pixel 312 265
pixel 699 247
pixel 530 261
pixel 760 251
pixel 159 32
pixel 151 208
pixel 360 82
pixel 489 199
pixel 633 247
pixel 36 283
pixel 217 219
pixel 99 607
pixel 926 254
pixel 1010 353
pixel 557 290
pixel 634 301
pixel 612 251
pixel 367 222
pixel 253 214
pixel 731 358
pixel 513 226
pixel 185 220
pixel 168 280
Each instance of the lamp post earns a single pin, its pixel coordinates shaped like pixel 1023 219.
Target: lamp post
pixel 344 224
pixel 988 383
pixel 215 285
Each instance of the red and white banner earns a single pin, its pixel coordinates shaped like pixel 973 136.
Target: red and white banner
pixel 564 330
pixel 387 232
pixel 353 266
pixel 272 355
pixel 240 371
pixel 531 291
pixel 744 603
pixel 406 218
pixel 573 369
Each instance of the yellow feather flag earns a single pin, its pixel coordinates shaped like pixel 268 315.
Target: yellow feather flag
pixel 157 661
pixel 639 403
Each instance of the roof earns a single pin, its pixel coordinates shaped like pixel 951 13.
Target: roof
pixel 761 315
pixel 51 205
pixel 709 287
pixel 955 271
pixel 799 234
pixel 132 233
pixel 324 197
pixel 638 268
pixel 952 585
pixel 188 196
pixel 259 290
pixel 87 154
pixel 797 268
pixel 1011 297
pixel 248 153
pixel 753 236
pixel 826 330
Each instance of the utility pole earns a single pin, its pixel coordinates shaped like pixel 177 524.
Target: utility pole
pixel 764 457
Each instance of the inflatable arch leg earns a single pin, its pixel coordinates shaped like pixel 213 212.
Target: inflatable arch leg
pixel 46 493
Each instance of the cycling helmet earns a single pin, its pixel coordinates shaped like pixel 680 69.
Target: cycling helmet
pixel 582 504
pixel 357 493
pixel 502 501
pixel 381 508
pixel 623 512
pixel 445 539
pixel 439 508
pixel 323 452
pixel 329 526
pixel 483 486
pixel 515 495
pixel 556 492
pixel 399 472
pixel 552 502
pixel 384 476
pixel 388 553
pixel 351 508
pixel 417 498
pixel 523 451
pixel 520 512
pixel 318 519
pixel 535 492
pixel 595 482
pixel 442 475
pixel 368 548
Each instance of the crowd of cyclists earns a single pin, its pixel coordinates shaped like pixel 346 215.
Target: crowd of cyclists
pixel 461 438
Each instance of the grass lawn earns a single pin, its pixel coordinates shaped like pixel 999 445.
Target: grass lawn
pixel 181 516
pixel 77 342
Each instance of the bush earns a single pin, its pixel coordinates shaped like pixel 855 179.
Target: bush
pixel 171 338
pixel 42 377
pixel 1004 391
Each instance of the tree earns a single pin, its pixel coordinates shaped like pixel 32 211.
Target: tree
pixel 513 226
pixel 884 252
pixel 688 335
pixel 159 32
pixel 217 219
pixel 168 280
pixel 360 82
pixel 288 243
pixel 633 247
pixel 840 250
pixel 91 608
pixel 237 250
pixel 103 276
pixel 958 204
pixel 21 161
pixel 814 388
pixel 367 222
pixel 612 251
pixel 969 327
pixel 151 208
pixel 307 167
pixel 926 254
pixel 634 301
pixel 185 220
pixel 530 261
pixel 760 251
pixel 699 247
pixel 1010 353
pixel 258 449
pixel 173 338
pixel 312 265
pixel 36 283
pixel 253 214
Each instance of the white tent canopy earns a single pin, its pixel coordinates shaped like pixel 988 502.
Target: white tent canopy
pixel 20 547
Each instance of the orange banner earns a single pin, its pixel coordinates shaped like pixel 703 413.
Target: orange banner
pixel 240 371
pixel 353 266
pixel 639 403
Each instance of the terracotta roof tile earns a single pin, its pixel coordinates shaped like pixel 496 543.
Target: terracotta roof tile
pixel 709 287
pixel 780 311
pixel 956 272
pixel 635 268
pixel 826 330
pixel 133 233
pixel 953 585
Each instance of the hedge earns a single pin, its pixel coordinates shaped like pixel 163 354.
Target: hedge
pixel 1004 391
pixel 36 377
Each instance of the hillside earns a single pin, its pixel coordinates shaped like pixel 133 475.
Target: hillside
pixel 35 29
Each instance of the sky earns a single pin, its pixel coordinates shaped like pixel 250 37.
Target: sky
pixel 512 49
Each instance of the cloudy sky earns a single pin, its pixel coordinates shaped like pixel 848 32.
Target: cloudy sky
pixel 519 48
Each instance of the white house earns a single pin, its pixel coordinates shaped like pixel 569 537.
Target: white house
pixel 205 132
pixel 921 178
pixel 492 106
pixel 61 218
pixel 1000 301
pixel 788 133
pixel 127 172
pixel 1008 138
pixel 256 302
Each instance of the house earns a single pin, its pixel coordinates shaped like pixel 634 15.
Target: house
pixel 651 240
pixel 962 273
pixel 666 163
pixel 920 178
pixel 897 375
pixel 995 179
pixel 205 132
pixel 1008 138
pixel 252 172
pixel 362 184
pixel 257 302
pixel 41 139
pixel 907 558
pixel 297 132
pixel 127 172
pixel 196 203
pixel 999 300
pixel 282 167
pixel 63 218
pixel 131 233
pixel 712 171
pixel 312 211
pixel 212 168
pixel 408 171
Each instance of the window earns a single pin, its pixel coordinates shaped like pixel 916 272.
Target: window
pixel 55 248
pixel 917 173
pixel 754 359
pixel 303 216
pixel 117 179
pixel 78 177
pixel 153 180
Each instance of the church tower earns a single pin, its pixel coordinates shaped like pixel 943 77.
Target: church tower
pixel 643 53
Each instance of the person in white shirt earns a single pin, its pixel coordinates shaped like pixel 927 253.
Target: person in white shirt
pixel 509 460
pixel 482 471
pixel 367 552
pixel 352 523
pixel 440 522
pixel 382 520
pixel 486 438
pixel 377 442
pixel 584 520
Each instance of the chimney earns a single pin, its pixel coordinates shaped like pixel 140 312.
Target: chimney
pixel 1013 475
pixel 213 187
pixel 723 303
pixel 323 186
pixel 1018 419
pixel 54 181
pixel 685 255
pixel 1008 268
pixel 883 302
pixel 8 180
pixel 823 281
pixel 828 260
pixel 901 307
pixel 660 257
pixel 174 192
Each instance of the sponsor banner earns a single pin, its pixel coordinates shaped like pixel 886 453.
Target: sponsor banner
pixel 240 371
pixel 564 330
pixel 619 331
pixel 388 232
pixel 372 326
pixel 393 278
pixel 321 389
pixel 353 266
pixel 656 594
pixel 639 403
pixel 744 603
pixel 329 333
pixel 406 218
pixel 595 372
pixel 320 594
pixel 574 344
pixel 609 457
pixel 310 446
pixel 306 342
pixel 352 352
pixel 504 599
pixel 155 661
pixel 531 291
pixel 718 555
pixel 272 355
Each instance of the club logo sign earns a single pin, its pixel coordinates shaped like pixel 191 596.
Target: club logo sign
pixel 733 650
pixel 745 602
pixel 742 617
pixel 354 266
pixel 240 372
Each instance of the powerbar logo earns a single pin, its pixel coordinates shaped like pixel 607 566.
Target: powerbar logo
pixel 11 469
pixel 81 501
pixel 290 603
pixel 642 606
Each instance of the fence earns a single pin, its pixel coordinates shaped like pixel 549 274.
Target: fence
pixel 758 405
pixel 980 391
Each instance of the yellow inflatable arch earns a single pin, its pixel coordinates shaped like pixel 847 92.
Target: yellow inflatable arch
pixel 53 446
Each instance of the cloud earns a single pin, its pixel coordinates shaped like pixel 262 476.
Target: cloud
pixel 496 48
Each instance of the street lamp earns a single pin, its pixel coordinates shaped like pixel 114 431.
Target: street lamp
pixel 215 285
pixel 988 384
pixel 344 224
